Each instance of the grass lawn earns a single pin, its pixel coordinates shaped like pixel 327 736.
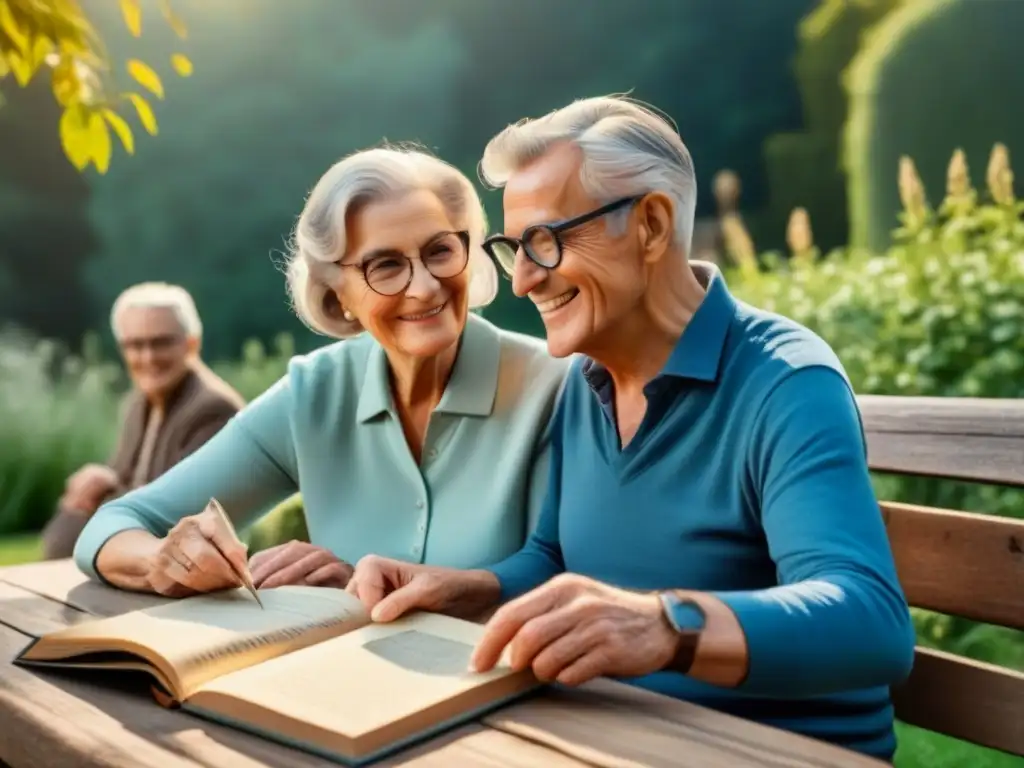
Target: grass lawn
pixel 921 749
pixel 22 548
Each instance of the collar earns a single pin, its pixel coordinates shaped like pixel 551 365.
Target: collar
pixel 472 386
pixel 698 353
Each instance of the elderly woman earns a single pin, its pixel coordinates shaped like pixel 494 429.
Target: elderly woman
pixel 421 435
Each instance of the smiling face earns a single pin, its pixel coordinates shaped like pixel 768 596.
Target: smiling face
pixel 427 317
pixel 156 350
pixel 601 277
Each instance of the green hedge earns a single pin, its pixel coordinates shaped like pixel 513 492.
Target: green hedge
pixel 803 167
pixel 934 75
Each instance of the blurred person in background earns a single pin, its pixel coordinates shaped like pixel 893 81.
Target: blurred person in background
pixel 175 405
pixel 388 430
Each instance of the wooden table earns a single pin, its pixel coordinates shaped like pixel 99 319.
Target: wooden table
pixel 55 719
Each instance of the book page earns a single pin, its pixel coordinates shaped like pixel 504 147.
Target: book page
pixel 361 683
pixel 203 636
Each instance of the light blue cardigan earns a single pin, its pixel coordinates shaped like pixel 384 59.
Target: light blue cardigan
pixel 329 428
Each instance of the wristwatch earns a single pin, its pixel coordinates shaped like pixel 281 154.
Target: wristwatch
pixel 687 619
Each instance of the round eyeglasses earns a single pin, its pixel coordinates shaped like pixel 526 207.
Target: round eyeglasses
pixel 388 271
pixel 542 243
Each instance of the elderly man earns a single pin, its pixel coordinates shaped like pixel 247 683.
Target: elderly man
pixel 175 406
pixel 710 530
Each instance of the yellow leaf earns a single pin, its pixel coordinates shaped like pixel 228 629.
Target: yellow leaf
pixel 173 21
pixel 41 48
pixel 146 77
pixel 181 64
pixel 99 142
pixel 64 82
pixel 121 129
pixel 4 66
pixel 74 135
pixel 21 66
pixel 146 116
pixel 10 25
pixel 132 16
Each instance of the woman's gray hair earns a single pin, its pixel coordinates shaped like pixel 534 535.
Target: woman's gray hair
pixel 157 295
pixel 318 241
pixel 627 148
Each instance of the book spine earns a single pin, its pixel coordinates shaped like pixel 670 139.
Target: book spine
pixel 249 643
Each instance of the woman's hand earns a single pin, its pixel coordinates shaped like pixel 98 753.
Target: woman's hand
pixel 299 562
pixel 196 556
pixel 390 588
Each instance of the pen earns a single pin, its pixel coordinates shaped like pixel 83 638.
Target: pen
pixel 243 575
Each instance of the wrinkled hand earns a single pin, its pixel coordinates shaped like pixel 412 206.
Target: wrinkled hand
pixel 86 488
pixel 189 558
pixel 573 629
pixel 298 562
pixel 391 588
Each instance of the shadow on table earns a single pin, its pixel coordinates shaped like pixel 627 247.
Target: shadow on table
pixel 125 698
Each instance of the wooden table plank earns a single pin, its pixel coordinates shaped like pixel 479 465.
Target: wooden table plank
pixel 62 581
pixel 34 614
pixel 608 724
pixel 94 720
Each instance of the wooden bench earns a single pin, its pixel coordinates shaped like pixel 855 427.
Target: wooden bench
pixel 957 563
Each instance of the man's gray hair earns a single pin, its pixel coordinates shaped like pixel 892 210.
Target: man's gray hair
pixel 627 149
pixel 156 295
pixel 318 241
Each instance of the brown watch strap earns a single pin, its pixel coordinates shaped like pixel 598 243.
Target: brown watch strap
pixel 685 653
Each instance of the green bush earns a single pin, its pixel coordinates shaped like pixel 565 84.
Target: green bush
pixel 280 525
pixel 932 76
pixel 257 370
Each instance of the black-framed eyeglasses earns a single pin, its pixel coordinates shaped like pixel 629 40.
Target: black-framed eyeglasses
pixel 542 243
pixel 389 271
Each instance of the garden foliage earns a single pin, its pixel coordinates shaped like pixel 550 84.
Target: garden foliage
pixel 932 76
pixel 940 313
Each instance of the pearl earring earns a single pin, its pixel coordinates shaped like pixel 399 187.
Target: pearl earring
pixel 348 315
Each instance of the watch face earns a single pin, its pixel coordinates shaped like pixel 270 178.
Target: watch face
pixel 684 615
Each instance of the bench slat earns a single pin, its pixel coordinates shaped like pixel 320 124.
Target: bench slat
pixel 988 416
pixel 959 563
pixel 965 699
pixel 977 439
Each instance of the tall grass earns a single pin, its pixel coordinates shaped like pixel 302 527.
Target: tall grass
pixel 57 412
pixel 61 409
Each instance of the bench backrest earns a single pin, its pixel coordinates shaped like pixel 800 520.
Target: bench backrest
pixel 962 564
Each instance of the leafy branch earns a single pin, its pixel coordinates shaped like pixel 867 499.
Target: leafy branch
pixel 56 36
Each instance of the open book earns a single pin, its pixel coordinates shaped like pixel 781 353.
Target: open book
pixel 311 670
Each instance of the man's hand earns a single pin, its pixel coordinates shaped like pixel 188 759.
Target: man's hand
pixel 86 488
pixel 390 588
pixel 573 629
pixel 298 562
